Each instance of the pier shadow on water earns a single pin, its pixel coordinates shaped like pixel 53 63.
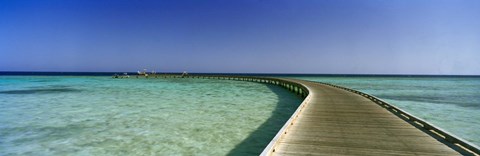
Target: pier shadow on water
pixel 46 90
pixel 259 139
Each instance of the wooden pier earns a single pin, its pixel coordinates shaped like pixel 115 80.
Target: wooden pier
pixel 340 122
pixel 334 120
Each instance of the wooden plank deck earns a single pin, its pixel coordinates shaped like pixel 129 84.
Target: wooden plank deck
pixel 339 122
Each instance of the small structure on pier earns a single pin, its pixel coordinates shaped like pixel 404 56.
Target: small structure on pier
pixel 184 74
pixel 144 73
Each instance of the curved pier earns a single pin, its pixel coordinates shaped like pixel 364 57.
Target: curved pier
pixel 334 120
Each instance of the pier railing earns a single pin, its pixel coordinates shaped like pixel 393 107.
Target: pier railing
pixel 461 145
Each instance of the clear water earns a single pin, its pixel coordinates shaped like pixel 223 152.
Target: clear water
pixel 60 115
pixel 74 115
pixel 451 103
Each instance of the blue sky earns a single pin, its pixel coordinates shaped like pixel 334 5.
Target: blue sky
pixel 244 36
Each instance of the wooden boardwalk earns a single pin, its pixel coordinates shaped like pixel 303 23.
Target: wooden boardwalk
pixel 339 122
pixel 333 120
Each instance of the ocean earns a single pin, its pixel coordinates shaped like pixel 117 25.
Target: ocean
pixel 98 115
pixel 79 114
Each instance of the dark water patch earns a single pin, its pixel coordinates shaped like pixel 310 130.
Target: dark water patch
pixel 50 86
pixel 390 87
pixel 41 91
pixel 434 100
pixel 59 86
pixel 46 80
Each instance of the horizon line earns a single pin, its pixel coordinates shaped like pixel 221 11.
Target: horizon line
pixel 232 73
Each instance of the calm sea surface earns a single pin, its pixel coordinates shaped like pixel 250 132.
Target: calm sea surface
pixel 451 103
pixel 95 115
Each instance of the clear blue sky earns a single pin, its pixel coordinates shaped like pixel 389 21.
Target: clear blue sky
pixel 252 36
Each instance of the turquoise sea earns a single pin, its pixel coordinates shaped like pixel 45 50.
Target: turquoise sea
pixel 98 115
pixel 95 115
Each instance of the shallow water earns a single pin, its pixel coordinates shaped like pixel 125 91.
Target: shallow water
pixel 59 115
pixel 75 115
pixel 451 103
